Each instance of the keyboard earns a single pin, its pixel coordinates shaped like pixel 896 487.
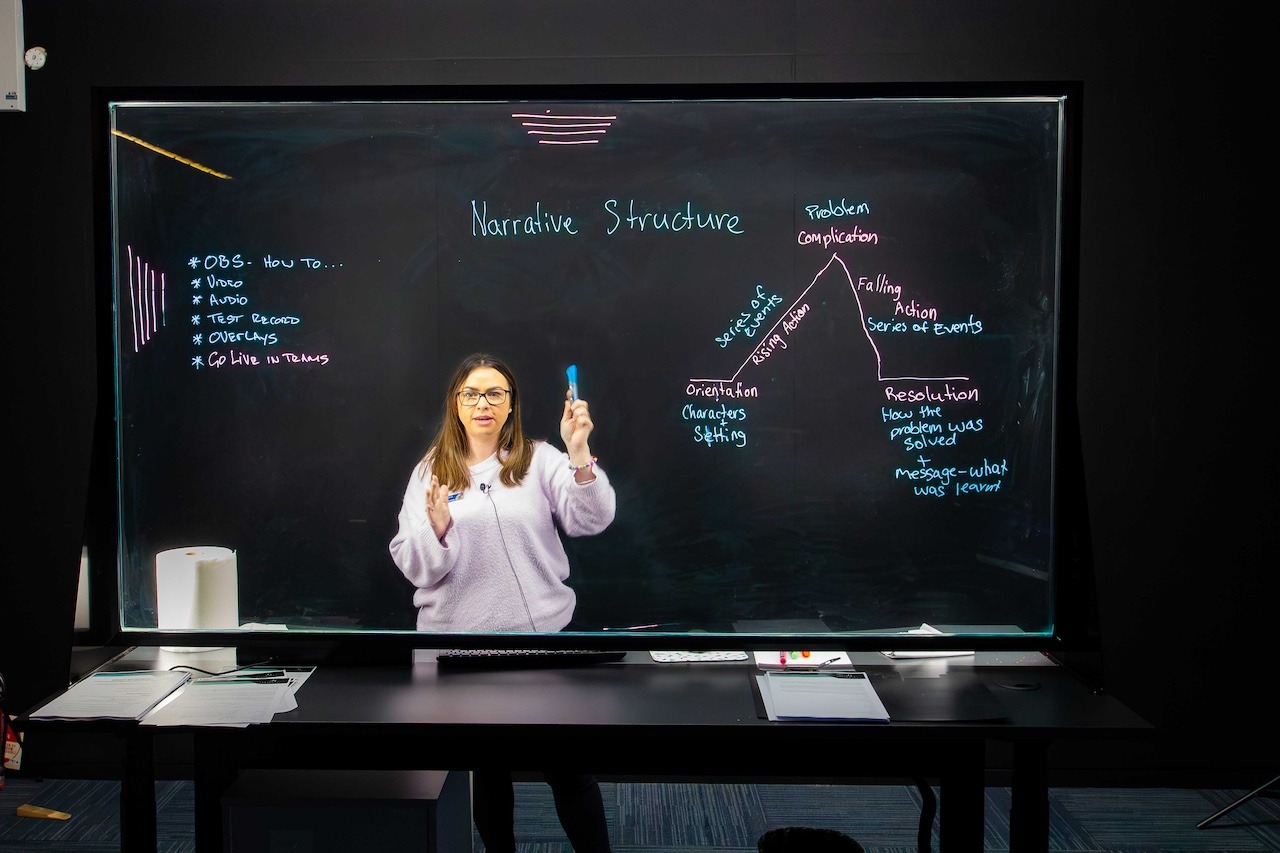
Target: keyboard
pixel 523 658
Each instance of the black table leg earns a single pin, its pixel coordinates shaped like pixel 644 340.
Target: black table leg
pixel 214 773
pixel 1029 798
pixel 962 800
pixel 138 793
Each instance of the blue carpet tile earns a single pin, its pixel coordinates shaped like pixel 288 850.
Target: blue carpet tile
pixel 726 818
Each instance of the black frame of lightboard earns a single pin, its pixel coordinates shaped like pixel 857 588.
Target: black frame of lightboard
pixel 1075 607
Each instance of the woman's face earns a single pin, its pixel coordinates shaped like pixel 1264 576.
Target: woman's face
pixel 483 421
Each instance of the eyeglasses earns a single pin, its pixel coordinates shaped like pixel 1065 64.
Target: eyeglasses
pixel 470 396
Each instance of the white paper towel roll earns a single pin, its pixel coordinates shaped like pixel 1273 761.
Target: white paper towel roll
pixel 196 588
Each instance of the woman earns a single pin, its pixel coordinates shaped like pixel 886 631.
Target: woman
pixel 478 538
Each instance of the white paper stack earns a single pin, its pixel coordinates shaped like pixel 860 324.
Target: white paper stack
pixel 237 698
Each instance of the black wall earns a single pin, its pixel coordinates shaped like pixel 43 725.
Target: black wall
pixel 1171 383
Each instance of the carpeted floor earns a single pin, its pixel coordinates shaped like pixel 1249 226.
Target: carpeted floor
pixel 681 817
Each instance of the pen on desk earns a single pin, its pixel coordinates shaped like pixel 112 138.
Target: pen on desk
pixel 245 680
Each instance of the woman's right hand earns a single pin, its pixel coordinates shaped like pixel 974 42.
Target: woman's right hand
pixel 438 507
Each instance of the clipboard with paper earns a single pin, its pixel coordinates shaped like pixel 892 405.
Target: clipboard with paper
pixel 847 696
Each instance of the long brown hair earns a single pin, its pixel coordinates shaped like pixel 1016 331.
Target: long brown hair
pixel 447 455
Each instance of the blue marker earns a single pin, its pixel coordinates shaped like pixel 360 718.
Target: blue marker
pixel 453 496
pixel 571 373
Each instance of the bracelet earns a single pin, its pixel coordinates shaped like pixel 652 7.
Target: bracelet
pixel 586 464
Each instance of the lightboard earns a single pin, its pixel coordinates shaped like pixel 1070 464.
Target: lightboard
pixel 820 331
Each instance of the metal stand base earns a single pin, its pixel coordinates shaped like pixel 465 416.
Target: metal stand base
pixel 1240 802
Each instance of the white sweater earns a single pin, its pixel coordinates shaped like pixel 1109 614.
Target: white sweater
pixel 501 565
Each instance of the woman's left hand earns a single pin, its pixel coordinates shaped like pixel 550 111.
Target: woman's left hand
pixel 575 428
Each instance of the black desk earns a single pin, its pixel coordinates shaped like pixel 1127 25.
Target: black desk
pixel 639 718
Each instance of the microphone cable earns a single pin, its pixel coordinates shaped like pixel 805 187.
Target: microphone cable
pixel 486 489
